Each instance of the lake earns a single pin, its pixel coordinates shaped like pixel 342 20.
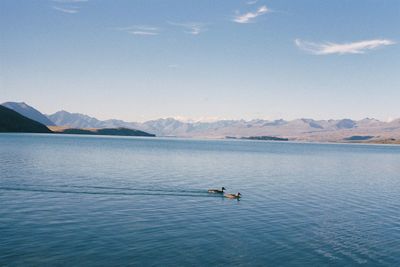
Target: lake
pixel 70 200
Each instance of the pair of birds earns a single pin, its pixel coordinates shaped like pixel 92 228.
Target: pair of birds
pixel 217 191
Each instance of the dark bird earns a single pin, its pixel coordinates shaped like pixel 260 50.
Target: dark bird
pixel 216 191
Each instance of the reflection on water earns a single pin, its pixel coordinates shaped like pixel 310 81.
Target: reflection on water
pixel 118 191
pixel 71 200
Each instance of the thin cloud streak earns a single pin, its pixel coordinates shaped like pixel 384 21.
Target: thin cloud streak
pixel 70 10
pixel 65 6
pixel 329 48
pixel 69 1
pixel 252 2
pixel 140 30
pixel 142 33
pixel 193 28
pixel 251 16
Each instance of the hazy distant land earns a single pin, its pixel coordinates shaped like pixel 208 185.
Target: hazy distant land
pixel 260 138
pixel 367 130
pixel 103 131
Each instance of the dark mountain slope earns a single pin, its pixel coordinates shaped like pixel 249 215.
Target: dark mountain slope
pixel 12 121
pixel 29 112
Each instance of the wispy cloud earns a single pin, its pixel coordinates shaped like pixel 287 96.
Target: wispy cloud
pixel 328 48
pixel 252 2
pixel 140 30
pixel 194 28
pixel 65 6
pixel 69 10
pixel 143 33
pixel 70 1
pixel 250 16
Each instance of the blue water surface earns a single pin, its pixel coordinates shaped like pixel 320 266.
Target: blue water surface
pixel 123 201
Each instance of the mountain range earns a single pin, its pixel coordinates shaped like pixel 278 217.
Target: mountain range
pixel 298 130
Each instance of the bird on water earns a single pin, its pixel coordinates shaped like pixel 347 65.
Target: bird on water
pixel 216 191
pixel 233 196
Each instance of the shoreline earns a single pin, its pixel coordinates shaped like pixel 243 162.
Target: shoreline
pixel 384 142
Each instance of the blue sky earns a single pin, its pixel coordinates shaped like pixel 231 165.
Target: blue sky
pixel 208 59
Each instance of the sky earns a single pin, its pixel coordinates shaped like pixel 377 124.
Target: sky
pixel 138 60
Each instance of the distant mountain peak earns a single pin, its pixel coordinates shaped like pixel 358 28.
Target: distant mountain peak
pixel 275 123
pixel 346 124
pixel 312 123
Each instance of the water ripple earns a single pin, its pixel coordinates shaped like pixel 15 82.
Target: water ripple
pixel 124 201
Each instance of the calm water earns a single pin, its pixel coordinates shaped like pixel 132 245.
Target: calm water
pixel 81 200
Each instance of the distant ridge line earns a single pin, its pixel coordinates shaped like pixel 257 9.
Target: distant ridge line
pixel 304 129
